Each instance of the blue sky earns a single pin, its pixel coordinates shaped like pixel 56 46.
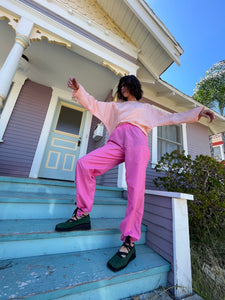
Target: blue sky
pixel 199 27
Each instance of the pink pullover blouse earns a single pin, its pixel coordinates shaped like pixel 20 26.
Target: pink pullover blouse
pixel 143 115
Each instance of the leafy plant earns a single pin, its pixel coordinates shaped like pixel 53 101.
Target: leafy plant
pixel 203 177
pixel 210 90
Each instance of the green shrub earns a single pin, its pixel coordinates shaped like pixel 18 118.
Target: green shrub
pixel 204 177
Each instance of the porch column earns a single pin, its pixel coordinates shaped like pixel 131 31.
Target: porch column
pixel 8 70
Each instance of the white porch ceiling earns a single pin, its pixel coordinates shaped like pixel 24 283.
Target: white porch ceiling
pixel 52 65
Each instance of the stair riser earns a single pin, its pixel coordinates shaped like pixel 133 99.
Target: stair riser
pixel 36 247
pixel 54 189
pixel 10 211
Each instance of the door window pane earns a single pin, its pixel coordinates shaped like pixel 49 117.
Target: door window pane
pixel 69 120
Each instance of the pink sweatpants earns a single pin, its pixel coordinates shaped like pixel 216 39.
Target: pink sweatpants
pixel 126 144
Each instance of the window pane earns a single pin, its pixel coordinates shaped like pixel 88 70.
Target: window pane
pixel 169 139
pixel 69 120
pixel 217 153
pixel 173 133
pixel 166 147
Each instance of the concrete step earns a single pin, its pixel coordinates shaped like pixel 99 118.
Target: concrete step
pixel 27 205
pixel 81 275
pixel 23 238
pixel 43 186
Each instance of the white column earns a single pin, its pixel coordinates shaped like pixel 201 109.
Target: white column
pixel 8 70
pixel 11 101
pixel 181 249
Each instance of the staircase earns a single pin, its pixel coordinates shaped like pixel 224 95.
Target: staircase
pixel 38 263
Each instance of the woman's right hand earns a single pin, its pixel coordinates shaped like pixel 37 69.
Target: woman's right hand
pixel 73 84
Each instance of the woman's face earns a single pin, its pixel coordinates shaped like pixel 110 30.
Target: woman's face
pixel 125 91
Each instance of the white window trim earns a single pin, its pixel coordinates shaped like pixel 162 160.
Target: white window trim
pixel 56 95
pixel 155 143
pixel 18 82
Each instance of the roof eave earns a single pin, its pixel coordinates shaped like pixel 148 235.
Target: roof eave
pixel 153 24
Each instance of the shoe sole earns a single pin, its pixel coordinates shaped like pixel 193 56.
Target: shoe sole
pixel 133 256
pixel 86 226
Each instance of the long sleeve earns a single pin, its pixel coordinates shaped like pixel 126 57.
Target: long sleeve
pixel 161 118
pixel 102 110
pixel 143 115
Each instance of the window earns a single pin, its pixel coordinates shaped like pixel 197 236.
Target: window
pixel 69 120
pixel 169 138
pixel 218 152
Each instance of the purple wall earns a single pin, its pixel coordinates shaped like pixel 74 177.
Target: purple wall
pixel 24 129
pixel 158 218
pixel 198 139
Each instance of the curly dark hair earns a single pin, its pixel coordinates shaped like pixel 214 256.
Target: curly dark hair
pixel 133 84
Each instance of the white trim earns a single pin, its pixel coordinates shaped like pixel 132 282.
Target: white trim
pixel 184 137
pixel 157 30
pixel 154 146
pixel 170 194
pixel 86 134
pixel 18 82
pixel 181 249
pixel 64 95
pixel 121 179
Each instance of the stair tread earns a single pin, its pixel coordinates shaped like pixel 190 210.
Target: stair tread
pixel 64 274
pixel 36 197
pixel 16 228
pixel 50 182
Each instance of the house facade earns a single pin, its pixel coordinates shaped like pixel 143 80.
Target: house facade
pixel 43 131
pixel 48 41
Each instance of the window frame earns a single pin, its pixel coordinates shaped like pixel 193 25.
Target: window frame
pixel 154 155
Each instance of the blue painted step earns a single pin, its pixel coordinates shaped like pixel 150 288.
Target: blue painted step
pixel 39 263
pixel 26 205
pixel 38 237
pixel 42 186
pixel 81 275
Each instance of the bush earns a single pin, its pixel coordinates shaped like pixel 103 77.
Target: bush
pixel 204 177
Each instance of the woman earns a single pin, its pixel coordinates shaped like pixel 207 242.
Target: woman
pixel 128 124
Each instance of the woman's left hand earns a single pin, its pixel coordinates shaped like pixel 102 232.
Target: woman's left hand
pixel 206 113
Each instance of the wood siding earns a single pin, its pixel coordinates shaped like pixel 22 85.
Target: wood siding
pixel 23 130
pixel 158 218
pixel 198 139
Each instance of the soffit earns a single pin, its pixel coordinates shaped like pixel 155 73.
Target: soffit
pixel 158 48
pixel 93 11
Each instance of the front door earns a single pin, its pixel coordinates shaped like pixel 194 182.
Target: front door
pixel 63 146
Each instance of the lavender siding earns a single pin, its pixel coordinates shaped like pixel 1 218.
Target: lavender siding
pixel 158 218
pixel 23 130
pixel 198 139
